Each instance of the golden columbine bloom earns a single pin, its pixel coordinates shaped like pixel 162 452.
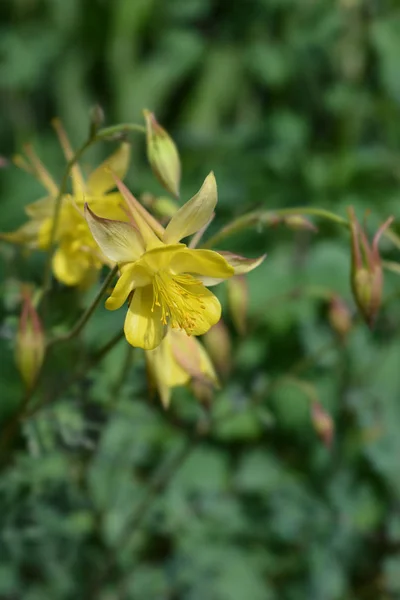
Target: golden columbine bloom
pixel 179 360
pixel 77 259
pixel 168 278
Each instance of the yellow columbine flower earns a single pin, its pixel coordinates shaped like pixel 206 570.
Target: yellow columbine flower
pixel 166 276
pixel 177 361
pixel 77 259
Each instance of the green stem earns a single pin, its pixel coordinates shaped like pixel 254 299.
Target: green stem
pixel 77 376
pixel 118 129
pixel 87 314
pixel 262 217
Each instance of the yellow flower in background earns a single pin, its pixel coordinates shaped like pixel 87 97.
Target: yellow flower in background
pixel 168 278
pixel 77 259
pixel 177 361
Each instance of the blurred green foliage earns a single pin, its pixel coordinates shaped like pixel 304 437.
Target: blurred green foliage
pixel 290 102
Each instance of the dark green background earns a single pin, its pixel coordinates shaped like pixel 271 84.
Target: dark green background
pixel 291 103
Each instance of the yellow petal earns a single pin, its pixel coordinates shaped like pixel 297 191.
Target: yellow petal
pixel 101 179
pixel 78 183
pixel 159 259
pixel 193 215
pixel 210 314
pixel 201 262
pixel 41 208
pixel 150 229
pixel 165 370
pixel 41 172
pixel 118 241
pixel 131 277
pixel 70 269
pixel 143 327
pixel 26 234
pixel 240 264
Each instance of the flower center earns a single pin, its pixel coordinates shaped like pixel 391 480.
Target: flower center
pixel 179 304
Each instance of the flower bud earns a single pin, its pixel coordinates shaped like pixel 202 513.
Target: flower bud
pixel 323 424
pixel 299 223
pixel 238 299
pixel 162 155
pixel 162 207
pixel 218 344
pixel 96 119
pixel 366 269
pixel 30 342
pixel 339 316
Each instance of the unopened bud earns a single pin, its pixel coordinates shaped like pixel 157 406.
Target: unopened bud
pixel 165 207
pixel 323 424
pixel 238 299
pixel 203 390
pixel 366 269
pixel 218 344
pixel 162 155
pixel 30 342
pixel 96 119
pixel 299 223
pixel 339 316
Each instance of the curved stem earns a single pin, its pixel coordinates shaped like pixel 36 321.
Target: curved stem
pixel 87 314
pixel 263 217
pixel 121 128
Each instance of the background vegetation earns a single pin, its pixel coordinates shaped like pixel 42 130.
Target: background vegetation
pixel 291 103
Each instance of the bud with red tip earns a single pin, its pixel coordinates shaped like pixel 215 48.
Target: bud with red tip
pixel 30 342
pixel 366 269
pixel 299 223
pixel 219 347
pixel 162 155
pixel 339 316
pixel 323 423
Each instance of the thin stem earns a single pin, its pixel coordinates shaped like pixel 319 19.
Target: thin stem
pixel 77 376
pixel 87 314
pixel 264 217
pixel 123 374
pixel 118 129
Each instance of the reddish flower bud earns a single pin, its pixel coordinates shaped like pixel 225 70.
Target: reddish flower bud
pixel 219 347
pixel 339 316
pixel 162 155
pixel 323 423
pixel 298 222
pixel 30 342
pixel 366 269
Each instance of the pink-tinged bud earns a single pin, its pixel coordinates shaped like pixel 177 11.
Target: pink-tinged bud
pixel 219 347
pixel 339 316
pixel 203 390
pixel 323 424
pixel 30 342
pixel 270 219
pixel 162 155
pixel 366 269
pixel 238 300
pixel 299 223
